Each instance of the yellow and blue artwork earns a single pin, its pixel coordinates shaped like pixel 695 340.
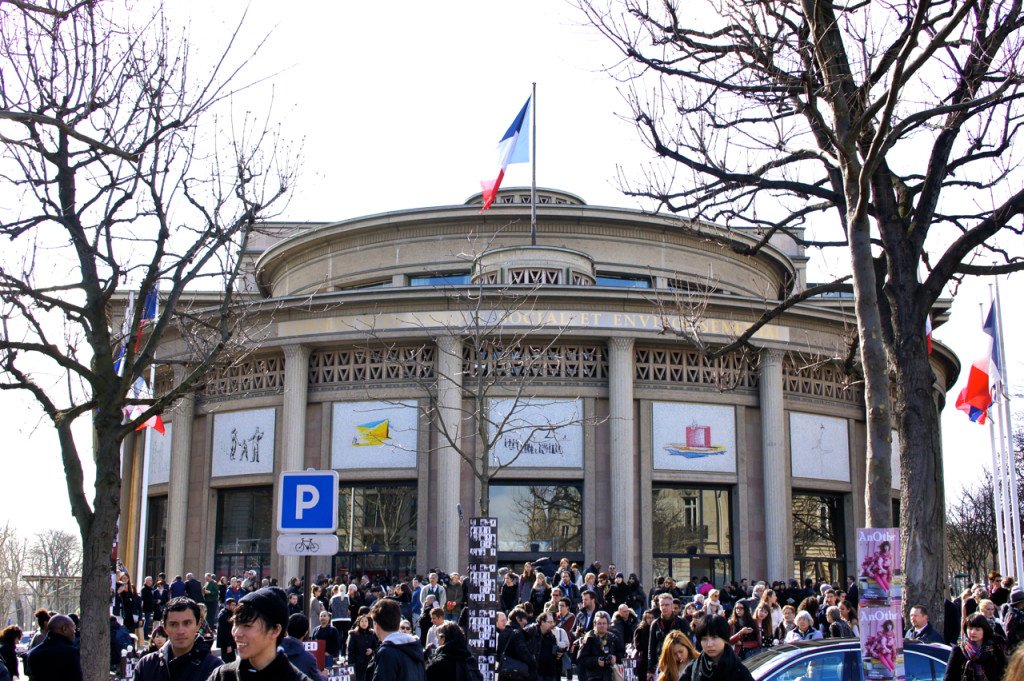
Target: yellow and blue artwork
pixel 372 434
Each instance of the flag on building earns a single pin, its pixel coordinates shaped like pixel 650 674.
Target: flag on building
pixel 148 313
pixel 928 332
pixel 126 331
pixel 140 390
pixel 984 382
pixel 514 147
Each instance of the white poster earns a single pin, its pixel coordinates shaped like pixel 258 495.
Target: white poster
pixel 537 433
pixel 819 447
pixel 896 464
pixel 243 442
pixel 160 455
pixel 694 437
pixel 374 435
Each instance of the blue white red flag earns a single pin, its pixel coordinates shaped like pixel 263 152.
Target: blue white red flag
pixel 148 313
pixel 984 380
pixel 514 147
pixel 140 391
pixel 126 331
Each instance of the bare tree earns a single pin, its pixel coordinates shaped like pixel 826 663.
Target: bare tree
pixel 13 549
pixel 889 129
pixel 971 532
pixel 125 169
pixel 53 570
pixel 507 347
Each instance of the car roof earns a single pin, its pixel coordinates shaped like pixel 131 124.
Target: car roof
pixel 785 652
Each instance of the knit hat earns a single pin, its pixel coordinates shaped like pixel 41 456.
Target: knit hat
pixel 619 575
pixel 1016 595
pixel 271 603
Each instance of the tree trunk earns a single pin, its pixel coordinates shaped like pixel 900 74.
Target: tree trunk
pixel 878 482
pixel 922 499
pixel 485 498
pixel 98 533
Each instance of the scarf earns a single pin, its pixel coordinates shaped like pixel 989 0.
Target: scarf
pixel 974 670
pixel 704 668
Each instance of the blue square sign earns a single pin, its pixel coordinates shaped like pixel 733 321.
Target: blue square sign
pixel 307 502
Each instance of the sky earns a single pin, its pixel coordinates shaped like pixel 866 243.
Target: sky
pixel 401 106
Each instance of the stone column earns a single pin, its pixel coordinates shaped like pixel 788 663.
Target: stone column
pixel 623 468
pixel 177 488
pixel 296 385
pixel 449 464
pixel 778 538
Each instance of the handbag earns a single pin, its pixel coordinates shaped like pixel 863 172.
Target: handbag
pixel 618 673
pixel 512 669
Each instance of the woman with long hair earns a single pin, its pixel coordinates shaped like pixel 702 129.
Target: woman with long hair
pixel 362 643
pixel 977 656
pixel 717 659
pixel 540 594
pixel 316 606
pixel 770 601
pixel 526 580
pixel 676 652
pixel 745 635
pixel 9 638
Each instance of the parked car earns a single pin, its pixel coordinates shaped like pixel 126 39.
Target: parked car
pixel 840 660
pixel 21 647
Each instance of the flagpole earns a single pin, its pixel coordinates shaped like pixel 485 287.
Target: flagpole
pixel 1018 559
pixel 144 501
pixel 1004 492
pixel 997 487
pixel 532 163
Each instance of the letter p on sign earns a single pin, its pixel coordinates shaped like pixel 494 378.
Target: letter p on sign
pixel 306 497
pixel 307 502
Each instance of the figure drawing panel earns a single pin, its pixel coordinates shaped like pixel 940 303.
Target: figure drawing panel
pixel 243 442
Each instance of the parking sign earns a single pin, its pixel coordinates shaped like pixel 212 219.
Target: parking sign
pixel 307 502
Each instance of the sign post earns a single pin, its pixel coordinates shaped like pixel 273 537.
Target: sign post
pixel 307 516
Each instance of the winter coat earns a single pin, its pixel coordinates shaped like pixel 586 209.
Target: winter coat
pixel 195 665
pixel 509 596
pixel 728 668
pixel 624 628
pixel 659 630
pixel 339 607
pixel 593 649
pixel 359 641
pixel 331 638
pixel 399 658
pixel 55 659
pixel 298 656
pixel 512 643
pixel 452 662
pixel 225 639
pixel 993 661
pixel 278 670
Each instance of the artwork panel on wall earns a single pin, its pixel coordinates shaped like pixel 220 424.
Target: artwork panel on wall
pixel 694 437
pixel 819 447
pixel 243 442
pixel 374 435
pixel 537 433
pixel 160 455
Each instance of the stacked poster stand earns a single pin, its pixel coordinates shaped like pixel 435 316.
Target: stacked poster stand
pixel 483 594
pixel 880 605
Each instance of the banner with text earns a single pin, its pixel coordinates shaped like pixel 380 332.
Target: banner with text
pixel 483 594
pixel 880 606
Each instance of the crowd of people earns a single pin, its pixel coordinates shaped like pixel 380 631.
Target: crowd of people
pixel 552 624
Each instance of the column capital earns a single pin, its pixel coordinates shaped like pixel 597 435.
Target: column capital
pixel 295 351
pixel 770 357
pixel 621 343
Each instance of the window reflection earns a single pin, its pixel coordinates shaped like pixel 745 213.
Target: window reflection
pixel 378 519
pixel 538 518
pixel 819 536
pixel 692 533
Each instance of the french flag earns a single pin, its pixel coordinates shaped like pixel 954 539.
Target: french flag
pixel 514 147
pixel 140 391
pixel 984 380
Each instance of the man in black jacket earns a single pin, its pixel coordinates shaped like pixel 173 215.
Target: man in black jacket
pixel 186 655
pixel 512 643
pixel 660 628
pixel 225 641
pixel 148 605
pixel 400 656
pixel 193 589
pixel 56 658
pixel 600 650
pixel 258 627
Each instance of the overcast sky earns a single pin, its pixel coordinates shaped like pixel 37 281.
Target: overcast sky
pixel 401 106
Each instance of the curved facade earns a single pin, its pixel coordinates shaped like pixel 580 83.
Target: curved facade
pixel 407 349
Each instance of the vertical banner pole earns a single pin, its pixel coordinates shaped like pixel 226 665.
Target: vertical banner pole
pixel 146 449
pixel 1015 559
pixel 533 166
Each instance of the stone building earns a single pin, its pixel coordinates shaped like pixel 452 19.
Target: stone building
pixel 379 337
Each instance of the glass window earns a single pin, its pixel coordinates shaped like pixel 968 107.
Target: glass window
pixel 819 536
pixel 824 667
pixel 538 517
pixel 623 281
pixel 156 535
pixel 377 519
pixel 453 279
pixel 243 531
pixel 692 533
